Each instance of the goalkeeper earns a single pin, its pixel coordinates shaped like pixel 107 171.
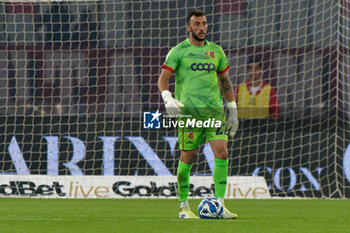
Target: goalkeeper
pixel 198 64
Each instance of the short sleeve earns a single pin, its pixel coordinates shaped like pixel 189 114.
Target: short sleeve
pixel 171 60
pixel 223 62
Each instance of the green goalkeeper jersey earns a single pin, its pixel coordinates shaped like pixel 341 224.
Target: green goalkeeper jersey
pixel 196 82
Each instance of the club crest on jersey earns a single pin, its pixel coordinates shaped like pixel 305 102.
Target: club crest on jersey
pixel 209 54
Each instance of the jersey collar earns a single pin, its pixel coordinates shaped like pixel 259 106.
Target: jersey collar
pixel 205 43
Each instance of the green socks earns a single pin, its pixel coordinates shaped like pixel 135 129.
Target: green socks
pixel 220 177
pixel 183 180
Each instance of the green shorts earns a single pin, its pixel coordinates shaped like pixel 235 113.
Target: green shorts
pixel 192 137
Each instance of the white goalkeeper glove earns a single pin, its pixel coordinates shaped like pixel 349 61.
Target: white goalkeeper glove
pixel 172 105
pixel 232 120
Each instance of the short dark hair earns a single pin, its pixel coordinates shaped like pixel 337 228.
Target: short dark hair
pixel 254 61
pixel 196 13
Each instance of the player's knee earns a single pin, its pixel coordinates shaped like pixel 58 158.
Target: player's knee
pixel 222 154
pixel 188 156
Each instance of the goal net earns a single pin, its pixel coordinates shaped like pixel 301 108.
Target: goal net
pixel 78 81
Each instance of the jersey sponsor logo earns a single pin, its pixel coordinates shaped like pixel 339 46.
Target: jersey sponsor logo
pixel 203 66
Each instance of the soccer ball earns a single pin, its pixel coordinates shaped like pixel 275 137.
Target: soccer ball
pixel 210 208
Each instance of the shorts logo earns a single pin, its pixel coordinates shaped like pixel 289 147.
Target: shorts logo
pixel 151 120
pixel 189 135
pixel 203 66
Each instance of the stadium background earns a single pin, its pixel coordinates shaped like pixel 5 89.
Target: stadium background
pixel 89 69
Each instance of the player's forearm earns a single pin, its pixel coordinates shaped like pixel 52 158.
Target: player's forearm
pixel 229 95
pixel 163 81
pixel 162 86
pixel 226 87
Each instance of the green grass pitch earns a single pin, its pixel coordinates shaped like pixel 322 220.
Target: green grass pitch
pixel 151 215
